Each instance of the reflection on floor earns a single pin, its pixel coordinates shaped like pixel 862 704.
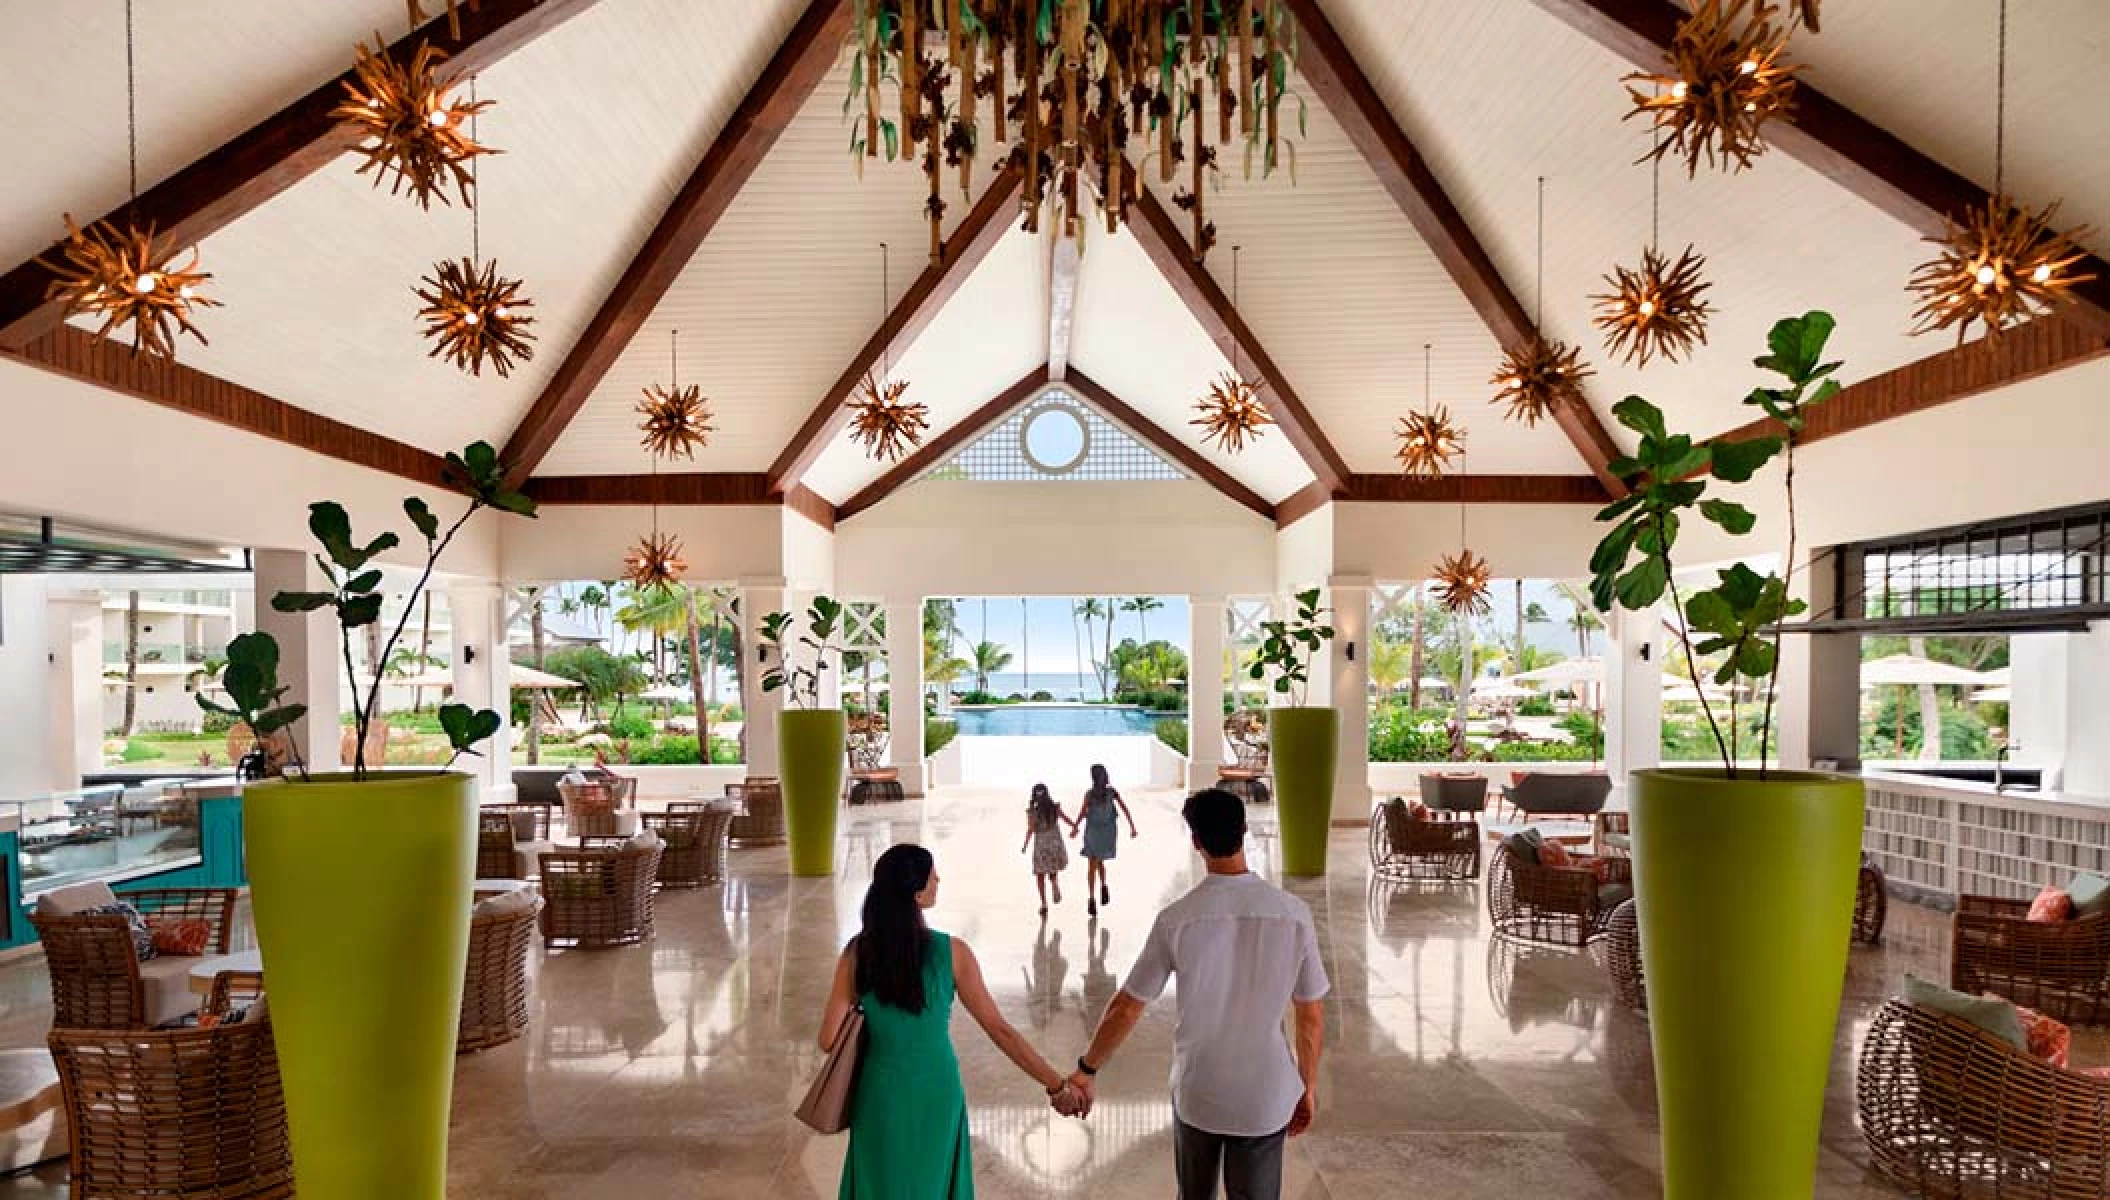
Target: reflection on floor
pixel 1457 1065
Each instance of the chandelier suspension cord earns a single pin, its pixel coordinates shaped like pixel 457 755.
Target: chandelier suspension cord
pixel 1655 201
pixel 885 289
pixel 1538 316
pixel 1427 393
pixel 476 197
pixel 2000 110
pixel 1235 368
pixel 131 106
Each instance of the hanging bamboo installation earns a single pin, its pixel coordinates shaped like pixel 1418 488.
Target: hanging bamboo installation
pixel 1078 81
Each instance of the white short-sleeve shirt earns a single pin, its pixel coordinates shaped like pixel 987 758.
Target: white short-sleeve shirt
pixel 1243 950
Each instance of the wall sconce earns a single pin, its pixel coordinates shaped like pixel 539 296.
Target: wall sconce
pixel 1351 652
pixel 1648 651
pixel 468 654
pixel 762 655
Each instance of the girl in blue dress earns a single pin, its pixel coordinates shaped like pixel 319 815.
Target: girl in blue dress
pixel 1103 810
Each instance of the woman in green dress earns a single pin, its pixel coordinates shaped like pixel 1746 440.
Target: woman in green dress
pixel 908 1115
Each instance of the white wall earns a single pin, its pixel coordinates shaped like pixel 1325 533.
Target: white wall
pixel 956 537
pixel 572 541
pixel 1304 552
pixel 29 681
pixel 809 555
pixel 1520 541
pixel 99 457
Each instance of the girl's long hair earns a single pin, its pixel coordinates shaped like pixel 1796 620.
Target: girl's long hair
pixel 1102 786
pixel 894 942
pixel 1042 808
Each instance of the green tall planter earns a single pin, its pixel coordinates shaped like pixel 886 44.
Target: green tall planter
pixel 811 749
pixel 1303 745
pixel 1746 896
pixel 361 895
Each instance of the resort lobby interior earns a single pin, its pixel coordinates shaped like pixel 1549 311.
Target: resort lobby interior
pixel 516 505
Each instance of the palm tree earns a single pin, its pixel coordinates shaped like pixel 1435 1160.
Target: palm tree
pixel 1090 609
pixel 534 746
pixel 989 658
pixel 1584 620
pixel 941 666
pixel 1142 606
pixel 1388 667
pixel 1416 666
pixel 131 662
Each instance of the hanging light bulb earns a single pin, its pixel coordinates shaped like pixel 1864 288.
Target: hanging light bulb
pixel 144 285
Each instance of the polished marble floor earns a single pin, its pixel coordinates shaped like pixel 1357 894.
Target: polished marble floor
pixel 1457 1065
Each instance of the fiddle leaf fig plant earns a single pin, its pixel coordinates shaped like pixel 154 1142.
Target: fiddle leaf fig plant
pixel 1668 476
pixel 355 598
pixel 801 681
pixel 1286 648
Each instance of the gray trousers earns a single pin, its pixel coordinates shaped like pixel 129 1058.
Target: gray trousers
pixel 1250 1167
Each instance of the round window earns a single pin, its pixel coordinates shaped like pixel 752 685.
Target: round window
pixel 1055 439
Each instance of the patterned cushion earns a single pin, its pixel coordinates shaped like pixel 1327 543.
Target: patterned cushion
pixel 142 937
pixel 2051 907
pixel 174 935
pixel 1553 854
pixel 2049 1039
pixel 1418 811
pixel 1526 845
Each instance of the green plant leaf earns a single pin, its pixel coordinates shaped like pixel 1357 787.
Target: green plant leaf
pixel 1737 462
pixel 268 723
pixel 301 602
pixel 1734 518
pixel 362 609
pixel 1640 416
pixel 465 726
pixel 1643 585
pixel 332 526
pixel 420 514
pixel 371 581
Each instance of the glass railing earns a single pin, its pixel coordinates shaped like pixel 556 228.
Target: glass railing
pixel 155 653
pixel 109 832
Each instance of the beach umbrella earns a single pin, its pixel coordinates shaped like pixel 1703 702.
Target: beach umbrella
pixel 1565 673
pixel 1993 695
pixel 1911 670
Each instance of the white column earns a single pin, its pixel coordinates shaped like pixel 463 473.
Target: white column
pixel 1348 661
pixel 1633 699
pixel 2038 725
pixel 483 671
pixel 1818 707
pixel 1205 690
pixel 75 640
pixel 310 655
pixel 758 598
pixel 904 672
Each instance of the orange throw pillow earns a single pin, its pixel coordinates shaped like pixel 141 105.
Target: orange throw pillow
pixel 173 936
pixel 2051 907
pixel 1418 811
pixel 1553 854
pixel 2049 1039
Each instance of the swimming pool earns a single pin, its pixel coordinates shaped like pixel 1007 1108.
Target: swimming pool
pixel 1057 720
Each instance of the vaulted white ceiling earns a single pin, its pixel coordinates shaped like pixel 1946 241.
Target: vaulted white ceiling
pixel 602 119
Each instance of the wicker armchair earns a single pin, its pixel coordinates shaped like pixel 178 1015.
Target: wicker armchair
pixel 1953 1112
pixel 760 821
pixel 2059 969
pixel 1404 849
pixel 1871 903
pixel 590 808
pixel 599 896
pixel 695 845
pixel 97 980
pixel 178 1114
pixel 509 837
pixel 1613 834
pixel 1566 906
pixel 495 989
pixel 1621 948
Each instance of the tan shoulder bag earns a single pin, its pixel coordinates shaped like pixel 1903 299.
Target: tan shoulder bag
pixel 826 1107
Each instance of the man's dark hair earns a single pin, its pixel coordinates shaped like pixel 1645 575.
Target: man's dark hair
pixel 1217 820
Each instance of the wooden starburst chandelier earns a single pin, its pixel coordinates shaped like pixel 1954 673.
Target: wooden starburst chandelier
pixel 1655 309
pixel 2001 264
pixel 677 419
pixel 473 314
pixel 1462 581
pixel 126 277
pixel 1726 76
pixel 655 562
pixel 1231 413
pixel 881 417
pixel 413 131
pixel 1079 91
pixel 1537 377
pixel 1428 441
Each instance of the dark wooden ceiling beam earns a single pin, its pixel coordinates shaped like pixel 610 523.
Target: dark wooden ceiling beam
pixel 77 354
pixel 1455 489
pixel 977 234
pixel 688 488
pixel 800 64
pixel 1161 239
pixel 1191 460
pixel 274 154
pixel 935 450
pixel 2025 352
pixel 1331 71
pixel 1065 257
pixel 1839 143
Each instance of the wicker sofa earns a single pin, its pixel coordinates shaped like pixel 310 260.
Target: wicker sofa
pixel 183 1114
pixel 1952 1112
pixel 495 983
pixel 2061 969
pixel 97 980
pixel 599 895
pixel 1404 848
pixel 1544 794
pixel 1448 793
pixel 1565 905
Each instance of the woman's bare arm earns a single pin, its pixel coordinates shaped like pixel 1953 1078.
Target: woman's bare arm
pixel 840 997
pixel 1125 815
pixel 975 998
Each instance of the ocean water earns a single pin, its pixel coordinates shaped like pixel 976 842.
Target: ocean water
pixel 1061 685
pixel 1055 720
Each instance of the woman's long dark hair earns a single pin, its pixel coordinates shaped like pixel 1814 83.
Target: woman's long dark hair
pixel 1102 786
pixel 1042 808
pixel 895 942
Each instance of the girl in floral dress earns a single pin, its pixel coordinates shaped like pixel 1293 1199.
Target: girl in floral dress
pixel 1044 825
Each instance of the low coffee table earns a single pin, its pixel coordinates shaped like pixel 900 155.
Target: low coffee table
pixel 1567 833
pixel 201 976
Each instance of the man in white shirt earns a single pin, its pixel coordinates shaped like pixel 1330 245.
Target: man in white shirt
pixel 1245 952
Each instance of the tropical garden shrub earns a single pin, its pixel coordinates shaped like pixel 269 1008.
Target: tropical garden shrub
pixel 628 727
pixel 1536 706
pixel 1402 734
pixel 938 733
pixel 1043 696
pixel 217 723
pixel 1173 732
pixel 1512 752
pixel 680 750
